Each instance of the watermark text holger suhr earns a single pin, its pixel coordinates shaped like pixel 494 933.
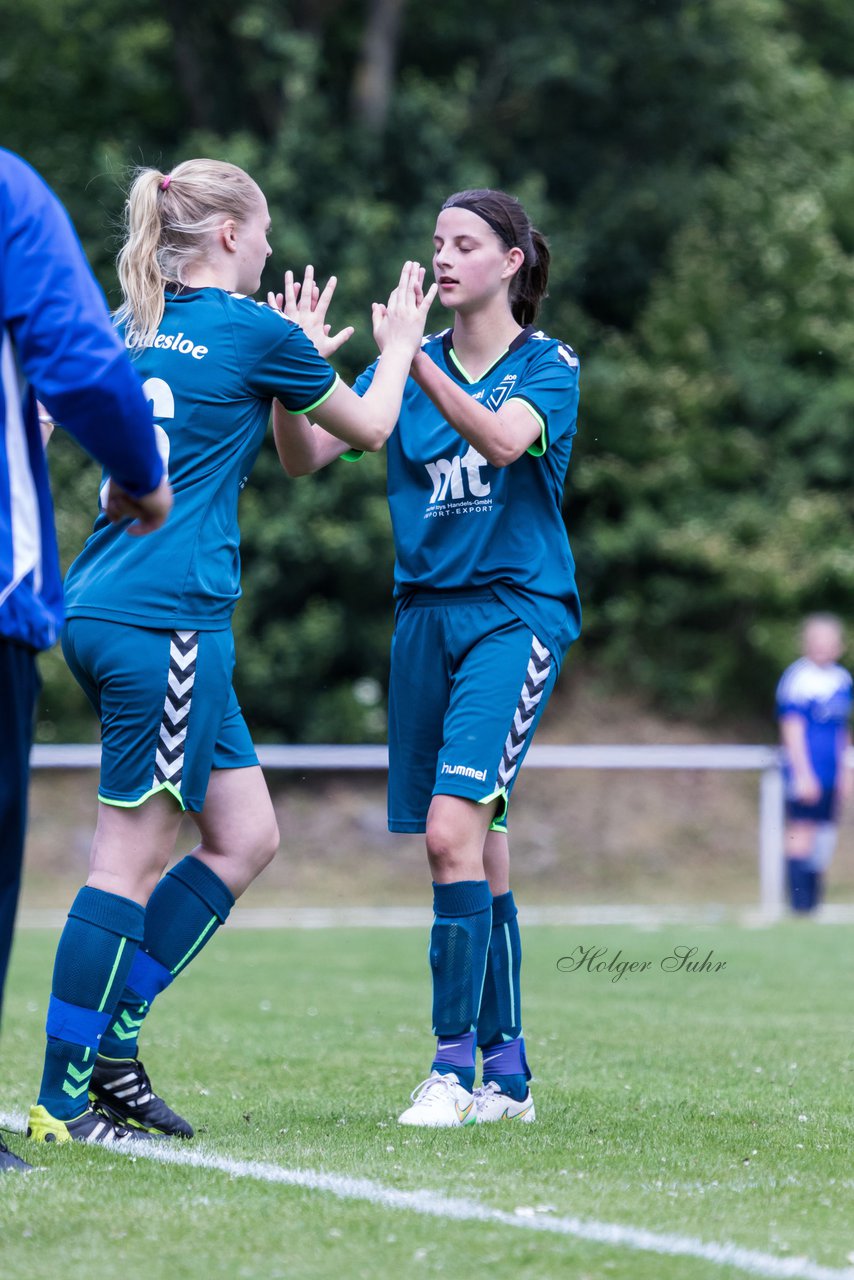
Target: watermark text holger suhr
pixel 682 959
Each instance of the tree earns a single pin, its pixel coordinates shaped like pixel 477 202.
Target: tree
pixel 689 160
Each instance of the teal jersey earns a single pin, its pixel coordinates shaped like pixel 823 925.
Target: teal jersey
pixel 461 523
pixel 211 373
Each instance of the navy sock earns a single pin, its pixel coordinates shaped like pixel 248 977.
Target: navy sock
pixel 505 1064
pixel 459 942
pixel 184 912
pixel 93 959
pixel 802 884
pixel 455 1054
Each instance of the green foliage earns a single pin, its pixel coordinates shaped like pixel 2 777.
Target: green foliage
pixel 723 419
pixel 691 162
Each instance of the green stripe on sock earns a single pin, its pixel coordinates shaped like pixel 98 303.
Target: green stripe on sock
pixel 186 959
pixel 112 975
pixel 510 974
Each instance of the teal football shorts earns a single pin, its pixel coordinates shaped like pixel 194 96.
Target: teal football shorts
pixel 168 712
pixel 469 682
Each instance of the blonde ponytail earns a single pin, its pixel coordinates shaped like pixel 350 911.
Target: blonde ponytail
pixel 138 266
pixel 170 222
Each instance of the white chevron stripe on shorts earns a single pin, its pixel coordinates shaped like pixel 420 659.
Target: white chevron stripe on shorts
pixel 169 755
pixel 536 676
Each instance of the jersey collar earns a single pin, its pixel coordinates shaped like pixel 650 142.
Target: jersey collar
pixel 456 369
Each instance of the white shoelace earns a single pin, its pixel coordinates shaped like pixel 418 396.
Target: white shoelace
pixel 486 1090
pixel 441 1082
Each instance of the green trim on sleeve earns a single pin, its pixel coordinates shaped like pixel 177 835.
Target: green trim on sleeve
pixel 352 455
pixel 539 447
pixel 308 408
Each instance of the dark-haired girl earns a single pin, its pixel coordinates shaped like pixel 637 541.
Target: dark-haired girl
pixel 486 605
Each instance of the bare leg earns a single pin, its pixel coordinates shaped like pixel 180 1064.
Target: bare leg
pixel 800 837
pixel 459 945
pixel 496 862
pixel 238 827
pixel 131 847
pixel 239 836
pixel 456 834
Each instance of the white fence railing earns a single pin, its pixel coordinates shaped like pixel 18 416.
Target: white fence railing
pixel 765 761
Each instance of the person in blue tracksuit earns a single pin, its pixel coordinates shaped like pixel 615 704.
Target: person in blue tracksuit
pixel 486 605
pixel 59 348
pixel 814 700
pixel 148 632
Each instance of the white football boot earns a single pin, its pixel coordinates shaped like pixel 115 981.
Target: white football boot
pixel 440 1102
pixel 491 1105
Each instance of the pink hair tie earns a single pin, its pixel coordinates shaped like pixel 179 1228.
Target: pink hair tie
pixel 164 182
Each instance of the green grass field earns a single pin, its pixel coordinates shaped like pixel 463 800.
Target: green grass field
pixel 713 1105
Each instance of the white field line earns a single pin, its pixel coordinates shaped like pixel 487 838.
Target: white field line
pixel 421 917
pixel 434 1204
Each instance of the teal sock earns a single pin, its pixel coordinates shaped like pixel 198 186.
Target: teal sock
pixel 500 1014
pixel 94 956
pixel 459 942
pixel 184 912
pixel 499 1023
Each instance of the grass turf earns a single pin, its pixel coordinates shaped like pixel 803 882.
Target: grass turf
pixel 716 1104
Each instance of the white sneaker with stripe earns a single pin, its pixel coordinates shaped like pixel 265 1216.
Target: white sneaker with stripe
pixel 492 1105
pixel 440 1102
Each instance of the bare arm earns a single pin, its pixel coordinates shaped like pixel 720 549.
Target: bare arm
pixel 302 447
pixel 500 437
pixel 793 734
pixel 352 421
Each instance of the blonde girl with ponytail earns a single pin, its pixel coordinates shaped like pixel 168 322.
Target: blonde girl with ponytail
pixel 148 631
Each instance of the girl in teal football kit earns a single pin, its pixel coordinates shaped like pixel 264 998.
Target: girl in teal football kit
pixel 148 633
pixel 486 606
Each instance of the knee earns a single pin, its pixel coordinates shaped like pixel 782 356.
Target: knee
pixel 255 851
pixel 266 845
pixel 443 851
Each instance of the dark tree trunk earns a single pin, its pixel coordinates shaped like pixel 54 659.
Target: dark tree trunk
pixel 374 76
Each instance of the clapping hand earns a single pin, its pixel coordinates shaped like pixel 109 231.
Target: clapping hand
pixel 404 316
pixel 306 306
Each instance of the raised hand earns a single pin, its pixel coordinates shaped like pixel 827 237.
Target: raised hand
pixel 402 319
pixel 307 306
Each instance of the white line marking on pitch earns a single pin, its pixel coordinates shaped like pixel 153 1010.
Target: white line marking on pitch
pixel 435 1205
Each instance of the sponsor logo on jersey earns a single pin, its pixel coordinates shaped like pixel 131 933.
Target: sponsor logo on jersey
pixel 464 771
pixel 174 342
pixel 458 487
pixel 454 479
